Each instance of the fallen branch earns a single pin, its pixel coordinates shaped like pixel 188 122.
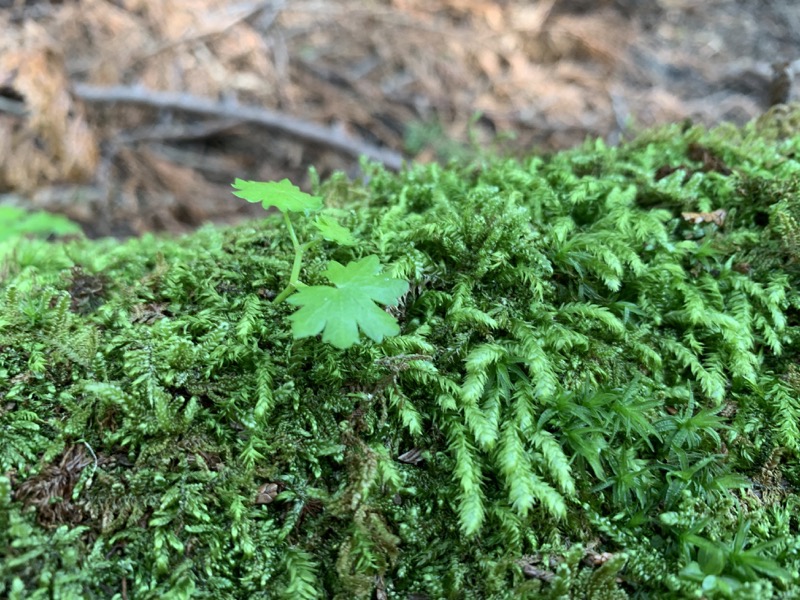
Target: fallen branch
pixel 270 119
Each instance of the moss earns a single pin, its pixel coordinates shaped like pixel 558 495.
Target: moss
pixel 594 393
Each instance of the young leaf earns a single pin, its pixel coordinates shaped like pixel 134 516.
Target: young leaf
pixel 340 311
pixel 283 195
pixel 332 231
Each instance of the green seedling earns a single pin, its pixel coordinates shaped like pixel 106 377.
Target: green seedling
pixel 336 312
pixel 16 223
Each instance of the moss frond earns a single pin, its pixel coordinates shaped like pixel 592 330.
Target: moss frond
pixel 594 387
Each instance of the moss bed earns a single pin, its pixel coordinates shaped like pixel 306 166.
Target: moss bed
pixel 594 393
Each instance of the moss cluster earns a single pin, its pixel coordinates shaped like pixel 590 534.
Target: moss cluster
pixel 594 393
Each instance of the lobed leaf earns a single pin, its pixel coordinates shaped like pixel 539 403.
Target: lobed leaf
pixel 339 312
pixel 283 195
pixel 332 231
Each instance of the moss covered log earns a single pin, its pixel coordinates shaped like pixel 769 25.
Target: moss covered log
pixel 594 392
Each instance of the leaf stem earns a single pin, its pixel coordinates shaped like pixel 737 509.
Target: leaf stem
pixel 292 235
pixel 294 277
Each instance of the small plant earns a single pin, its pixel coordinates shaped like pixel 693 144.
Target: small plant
pixel 338 312
pixel 722 568
pixel 16 223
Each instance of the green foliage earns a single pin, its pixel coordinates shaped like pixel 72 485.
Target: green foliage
pixel 336 312
pixel 586 388
pixel 332 231
pixel 301 572
pixel 283 195
pixel 723 568
pixel 16 222
pixel 340 312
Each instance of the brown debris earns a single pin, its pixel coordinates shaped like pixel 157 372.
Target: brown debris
pixel 412 457
pixel 51 490
pixel 98 99
pixel 86 291
pixel 711 162
pixel 266 493
pixel 48 139
pixel 717 217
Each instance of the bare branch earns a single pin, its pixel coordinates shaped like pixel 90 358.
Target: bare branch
pixel 270 119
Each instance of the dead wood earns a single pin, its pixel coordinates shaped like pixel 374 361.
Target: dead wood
pixel 306 131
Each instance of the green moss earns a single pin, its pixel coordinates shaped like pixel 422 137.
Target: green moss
pixel 594 393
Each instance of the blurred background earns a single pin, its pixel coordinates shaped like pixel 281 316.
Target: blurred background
pixel 128 116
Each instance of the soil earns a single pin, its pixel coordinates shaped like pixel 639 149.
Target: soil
pixel 130 116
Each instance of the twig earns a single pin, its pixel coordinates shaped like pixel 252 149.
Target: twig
pixel 182 131
pixel 270 119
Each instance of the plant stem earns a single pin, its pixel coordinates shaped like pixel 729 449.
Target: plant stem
pixel 292 235
pixel 294 277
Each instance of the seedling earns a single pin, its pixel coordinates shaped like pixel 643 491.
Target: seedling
pixel 337 312
pixel 16 223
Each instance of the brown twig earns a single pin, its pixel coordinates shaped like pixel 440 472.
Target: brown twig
pixel 182 131
pixel 270 119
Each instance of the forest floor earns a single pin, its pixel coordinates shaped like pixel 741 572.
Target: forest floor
pixel 130 116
